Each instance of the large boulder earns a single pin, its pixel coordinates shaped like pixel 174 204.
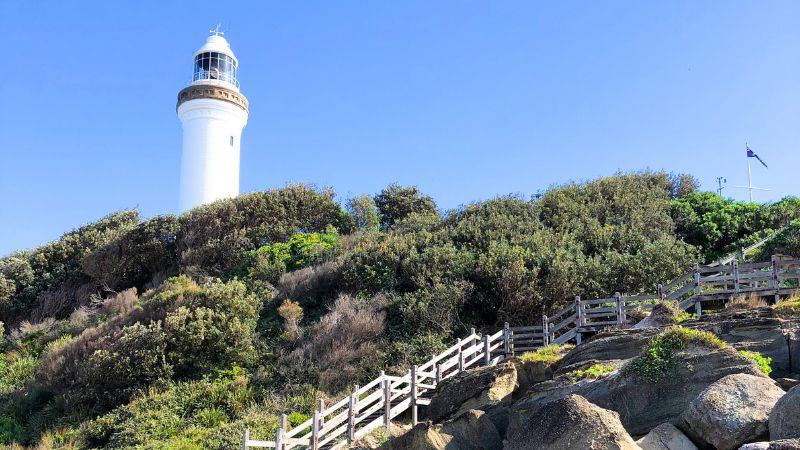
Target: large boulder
pixel 424 436
pixel 783 444
pixel 568 423
pixel 484 388
pixel 733 410
pixel 474 428
pixel 784 421
pixel 643 404
pixel 469 431
pixel 530 373
pixel 663 314
pixel 666 437
pixel 759 330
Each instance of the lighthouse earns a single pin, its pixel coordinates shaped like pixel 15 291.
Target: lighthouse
pixel 213 112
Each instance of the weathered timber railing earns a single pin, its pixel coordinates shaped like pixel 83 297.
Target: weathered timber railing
pixel 384 398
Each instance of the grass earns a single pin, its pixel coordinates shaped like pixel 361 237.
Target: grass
pixel 746 302
pixel 594 372
pixel 790 305
pixel 549 354
pixel 762 361
pixel 661 354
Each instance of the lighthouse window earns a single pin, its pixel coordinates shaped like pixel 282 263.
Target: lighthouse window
pixel 231 141
pixel 215 66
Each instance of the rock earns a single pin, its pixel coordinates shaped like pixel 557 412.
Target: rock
pixel 666 437
pixel 530 373
pixel 481 388
pixel 733 410
pixel 613 345
pixel 643 405
pixel 787 383
pixel 568 423
pixel 424 436
pixel 758 330
pixel 474 428
pixel 785 444
pixel 663 314
pixel 784 421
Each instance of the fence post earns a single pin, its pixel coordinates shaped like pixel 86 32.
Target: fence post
pixel 660 292
pixel 352 412
pixel 280 433
pixel 414 420
pixel 774 282
pixel 246 438
pixel 487 356
pixel 736 276
pixel 545 332
pixel 511 341
pixel 315 431
pixel 460 356
pixel 578 319
pixel 321 409
pixel 698 308
pixel 506 339
pixel 618 303
pixel 438 373
pixel 697 279
pixel 387 402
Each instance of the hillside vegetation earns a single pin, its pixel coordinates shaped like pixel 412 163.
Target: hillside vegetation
pixel 177 332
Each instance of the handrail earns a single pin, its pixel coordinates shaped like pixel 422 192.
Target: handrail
pixel 360 412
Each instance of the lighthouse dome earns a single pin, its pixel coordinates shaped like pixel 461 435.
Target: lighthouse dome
pixel 215 63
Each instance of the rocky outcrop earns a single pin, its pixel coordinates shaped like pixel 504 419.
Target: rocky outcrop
pixel 614 345
pixel 784 421
pixel 568 423
pixel 758 330
pixel 484 388
pixel 666 437
pixel 643 405
pixel 530 373
pixel 733 411
pixel 784 444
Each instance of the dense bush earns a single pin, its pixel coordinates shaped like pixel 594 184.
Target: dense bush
pixel 719 226
pixel 26 275
pixel 135 255
pixel 216 237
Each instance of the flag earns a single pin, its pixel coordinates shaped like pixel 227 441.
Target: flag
pixel 752 154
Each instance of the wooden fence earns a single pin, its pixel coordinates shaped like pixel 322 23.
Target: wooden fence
pixel 384 398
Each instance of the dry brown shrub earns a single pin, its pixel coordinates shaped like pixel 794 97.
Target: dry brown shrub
pixel 312 285
pixel 45 327
pixel 343 345
pixel 122 303
pixel 61 302
pixel 292 314
pixel 753 300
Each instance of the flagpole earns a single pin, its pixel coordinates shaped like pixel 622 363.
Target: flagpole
pixel 749 181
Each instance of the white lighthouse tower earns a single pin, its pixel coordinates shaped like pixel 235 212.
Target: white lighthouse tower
pixel 213 113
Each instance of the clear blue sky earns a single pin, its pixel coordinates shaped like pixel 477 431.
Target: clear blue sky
pixel 467 100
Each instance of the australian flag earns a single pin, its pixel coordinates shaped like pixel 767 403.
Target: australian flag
pixel 752 154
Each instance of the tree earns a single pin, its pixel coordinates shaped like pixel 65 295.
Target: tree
pixel 396 202
pixel 364 213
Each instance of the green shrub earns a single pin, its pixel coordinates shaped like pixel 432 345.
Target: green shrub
pixel 662 352
pixel 11 431
pixel 16 371
pixel 549 354
pixel 594 372
pixel 213 327
pixel 762 361
pixel 396 202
